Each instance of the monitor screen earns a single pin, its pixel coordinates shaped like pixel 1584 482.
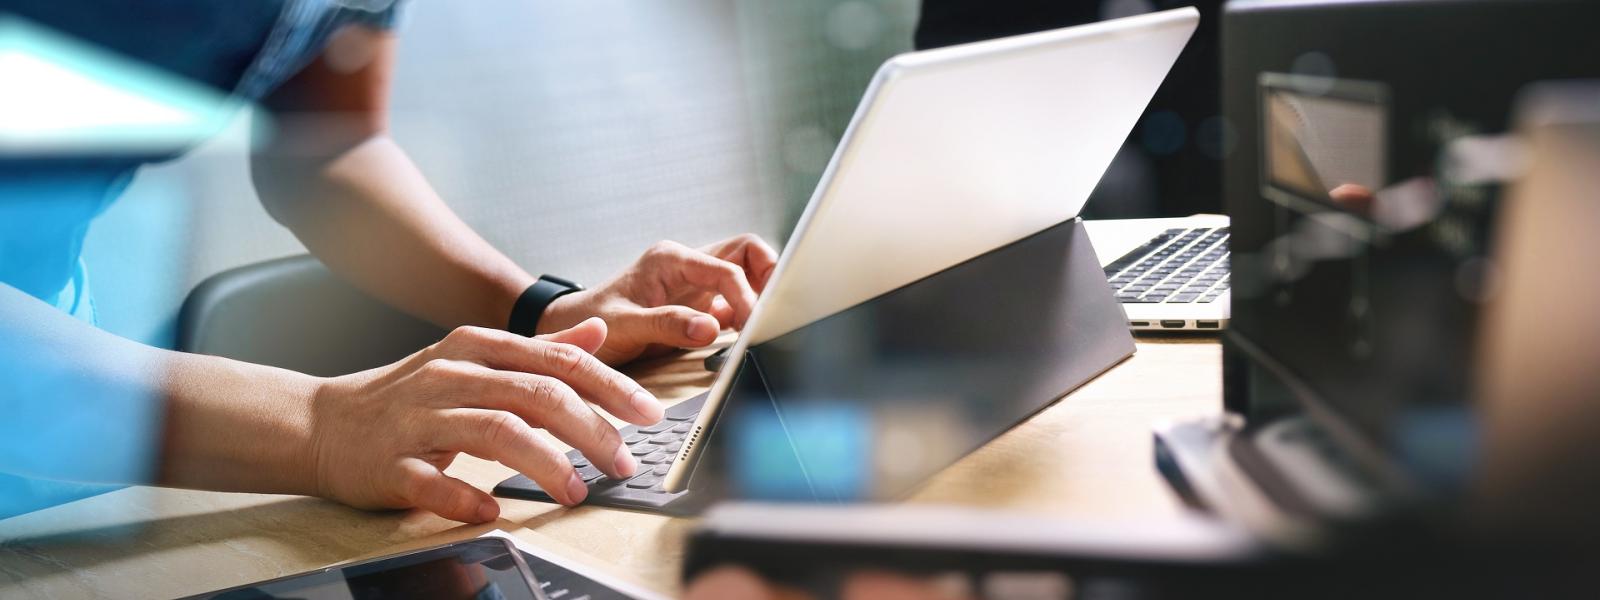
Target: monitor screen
pixel 1342 284
pixel 1323 141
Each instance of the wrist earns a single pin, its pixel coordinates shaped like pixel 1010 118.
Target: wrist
pixel 218 438
pixel 309 457
pixel 563 313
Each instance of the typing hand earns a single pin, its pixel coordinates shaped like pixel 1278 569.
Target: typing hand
pixel 672 297
pixel 383 438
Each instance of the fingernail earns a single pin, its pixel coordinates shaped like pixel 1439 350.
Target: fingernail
pixel 624 462
pixel 488 511
pixel 647 406
pixel 576 490
pixel 701 328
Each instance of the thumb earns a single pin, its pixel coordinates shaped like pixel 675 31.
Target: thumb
pixel 588 335
pixel 677 325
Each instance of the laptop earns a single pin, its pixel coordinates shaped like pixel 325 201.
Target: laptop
pixel 953 154
pixel 1169 274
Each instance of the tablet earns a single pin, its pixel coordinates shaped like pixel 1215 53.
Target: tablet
pixel 476 569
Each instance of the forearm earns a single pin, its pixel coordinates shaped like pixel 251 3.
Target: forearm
pixel 84 405
pixel 369 214
pixel 237 427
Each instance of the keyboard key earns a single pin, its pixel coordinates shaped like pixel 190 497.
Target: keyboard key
pixel 682 417
pixel 661 469
pixel 644 481
pixel 656 458
pixel 642 449
pixel 580 461
pixel 657 428
pixel 635 438
pixel 1184 298
pixel 589 473
pixel 682 428
pixel 673 448
pixel 666 438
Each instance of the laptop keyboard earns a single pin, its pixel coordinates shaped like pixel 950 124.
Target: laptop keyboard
pixel 655 447
pixel 1178 266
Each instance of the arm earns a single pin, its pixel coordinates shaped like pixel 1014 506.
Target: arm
pixel 207 422
pixel 331 174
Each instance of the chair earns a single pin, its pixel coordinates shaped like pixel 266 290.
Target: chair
pixel 293 313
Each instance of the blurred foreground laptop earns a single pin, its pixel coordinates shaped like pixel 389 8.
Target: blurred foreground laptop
pixel 938 288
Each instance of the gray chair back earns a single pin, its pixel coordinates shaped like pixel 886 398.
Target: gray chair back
pixel 293 313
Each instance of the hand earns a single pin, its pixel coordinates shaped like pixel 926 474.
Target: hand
pixel 383 438
pixel 672 297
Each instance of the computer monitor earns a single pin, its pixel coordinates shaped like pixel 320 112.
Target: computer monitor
pixel 1362 183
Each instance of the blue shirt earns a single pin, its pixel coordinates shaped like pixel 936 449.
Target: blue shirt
pixel 243 49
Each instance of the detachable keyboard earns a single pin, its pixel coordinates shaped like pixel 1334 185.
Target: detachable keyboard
pixel 1177 266
pixel 654 446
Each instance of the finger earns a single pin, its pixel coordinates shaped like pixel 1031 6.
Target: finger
pixel 678 326
pixel 503 437
pixel 427 488
pixel 752 254
pixel 714 274
pixel 588 335
pixel 548 403
pixel 721 310
pixel 592 378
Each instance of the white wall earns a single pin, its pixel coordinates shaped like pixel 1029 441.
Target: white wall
pixel 572 135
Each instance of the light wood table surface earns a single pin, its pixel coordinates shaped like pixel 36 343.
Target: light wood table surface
pixel 1088 455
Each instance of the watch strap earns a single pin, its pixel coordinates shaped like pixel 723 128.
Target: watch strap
pixel 531 304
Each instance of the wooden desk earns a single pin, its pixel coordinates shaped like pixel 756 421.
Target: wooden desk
pixel 1088 455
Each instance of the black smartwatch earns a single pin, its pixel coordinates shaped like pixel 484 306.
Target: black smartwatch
pixel 531 304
